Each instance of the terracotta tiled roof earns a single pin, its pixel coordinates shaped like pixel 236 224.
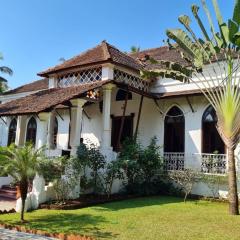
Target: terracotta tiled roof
pixel 102 53
pixel 30 87
pixel 160 53
pixel 46 99
pixel 192 92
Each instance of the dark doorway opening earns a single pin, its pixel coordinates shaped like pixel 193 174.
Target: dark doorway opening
pixel 211 140
pixel 127 131
pixel 174 128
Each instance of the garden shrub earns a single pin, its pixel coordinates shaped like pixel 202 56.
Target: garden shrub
pixel 185 179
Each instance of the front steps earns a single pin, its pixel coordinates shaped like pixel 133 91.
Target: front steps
pixel 8 192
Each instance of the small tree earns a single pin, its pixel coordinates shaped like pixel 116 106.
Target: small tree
pixel 22 163
pixel 185 178
pixel 113 171
pixel 96 163
pixel 150 161
pixel 128 159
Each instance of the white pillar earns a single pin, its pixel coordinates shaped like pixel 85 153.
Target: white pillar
pixel 76 123
pixel 21 130
pixel 42 129
pixel 106 135
pixel 52 82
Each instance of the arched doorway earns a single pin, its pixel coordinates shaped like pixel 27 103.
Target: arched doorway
pixel 211 140
pixel 31 131
pixel 174 138
pixel 174 128
pixel 12 131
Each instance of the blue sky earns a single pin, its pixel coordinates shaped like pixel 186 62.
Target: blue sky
pixel 36 33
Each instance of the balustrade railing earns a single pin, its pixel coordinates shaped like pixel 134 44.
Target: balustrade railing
pixel 213 163
pixel 174 161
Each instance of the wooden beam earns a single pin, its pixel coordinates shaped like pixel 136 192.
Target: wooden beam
pixel 189 103
pixel 122 120
pixel 138 119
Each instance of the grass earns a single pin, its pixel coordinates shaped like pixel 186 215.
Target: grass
pixel 165 218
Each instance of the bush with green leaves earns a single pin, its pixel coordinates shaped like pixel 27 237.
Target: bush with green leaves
pixel 90 157
pixel 112 172
pixel 63 187
pixel 142 167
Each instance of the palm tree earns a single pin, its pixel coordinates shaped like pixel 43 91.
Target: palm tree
pixel 135 49
pixel 22 163
pixel 4 70
pixel 221 86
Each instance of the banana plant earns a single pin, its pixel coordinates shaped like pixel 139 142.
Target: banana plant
pixel 219 47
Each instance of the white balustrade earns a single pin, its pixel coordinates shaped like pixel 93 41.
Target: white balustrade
pixel 174 160
pixel 213 163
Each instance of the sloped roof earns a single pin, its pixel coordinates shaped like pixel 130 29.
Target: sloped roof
pixel 30 87
pixel 102 53
pixel 160 53
pixel 46 99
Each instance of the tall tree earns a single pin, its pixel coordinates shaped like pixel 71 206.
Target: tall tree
pixel 4 70
pixel 220 85
pixel 22 163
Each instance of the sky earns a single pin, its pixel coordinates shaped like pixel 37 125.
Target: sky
pixel 35 34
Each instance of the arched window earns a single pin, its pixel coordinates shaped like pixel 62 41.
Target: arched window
pixel 174 127
pixel 31 131
pixel 12 131
pixel 211 140
pixel 121 95
pixel 55 132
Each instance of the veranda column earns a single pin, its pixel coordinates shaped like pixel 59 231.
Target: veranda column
pixel 76 123
pixel 42 129
pixel 21 130
pixel 106 135
pixel 50 130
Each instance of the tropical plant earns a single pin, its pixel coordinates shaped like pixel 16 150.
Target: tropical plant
pixel 221 85
pixel 135 49
pixel 22 163
pixel 4 70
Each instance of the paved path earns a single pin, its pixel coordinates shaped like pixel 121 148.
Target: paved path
pixel 7 204
pixel 6 234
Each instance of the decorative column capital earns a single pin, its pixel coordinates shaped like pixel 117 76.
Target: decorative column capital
pixel 44 116
pixel 78 102
pixel 108 87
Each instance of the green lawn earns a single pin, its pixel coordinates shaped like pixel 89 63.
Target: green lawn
pixel 164 218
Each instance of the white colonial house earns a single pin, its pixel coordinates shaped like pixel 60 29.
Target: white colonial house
pixel 88 95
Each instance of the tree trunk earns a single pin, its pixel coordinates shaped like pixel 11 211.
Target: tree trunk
pixel 232 183
pixel 23 191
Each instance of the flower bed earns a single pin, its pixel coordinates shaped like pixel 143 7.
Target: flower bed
pixel 87 200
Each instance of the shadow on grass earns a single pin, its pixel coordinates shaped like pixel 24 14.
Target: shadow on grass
pixel 138 203
pixel 82 224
